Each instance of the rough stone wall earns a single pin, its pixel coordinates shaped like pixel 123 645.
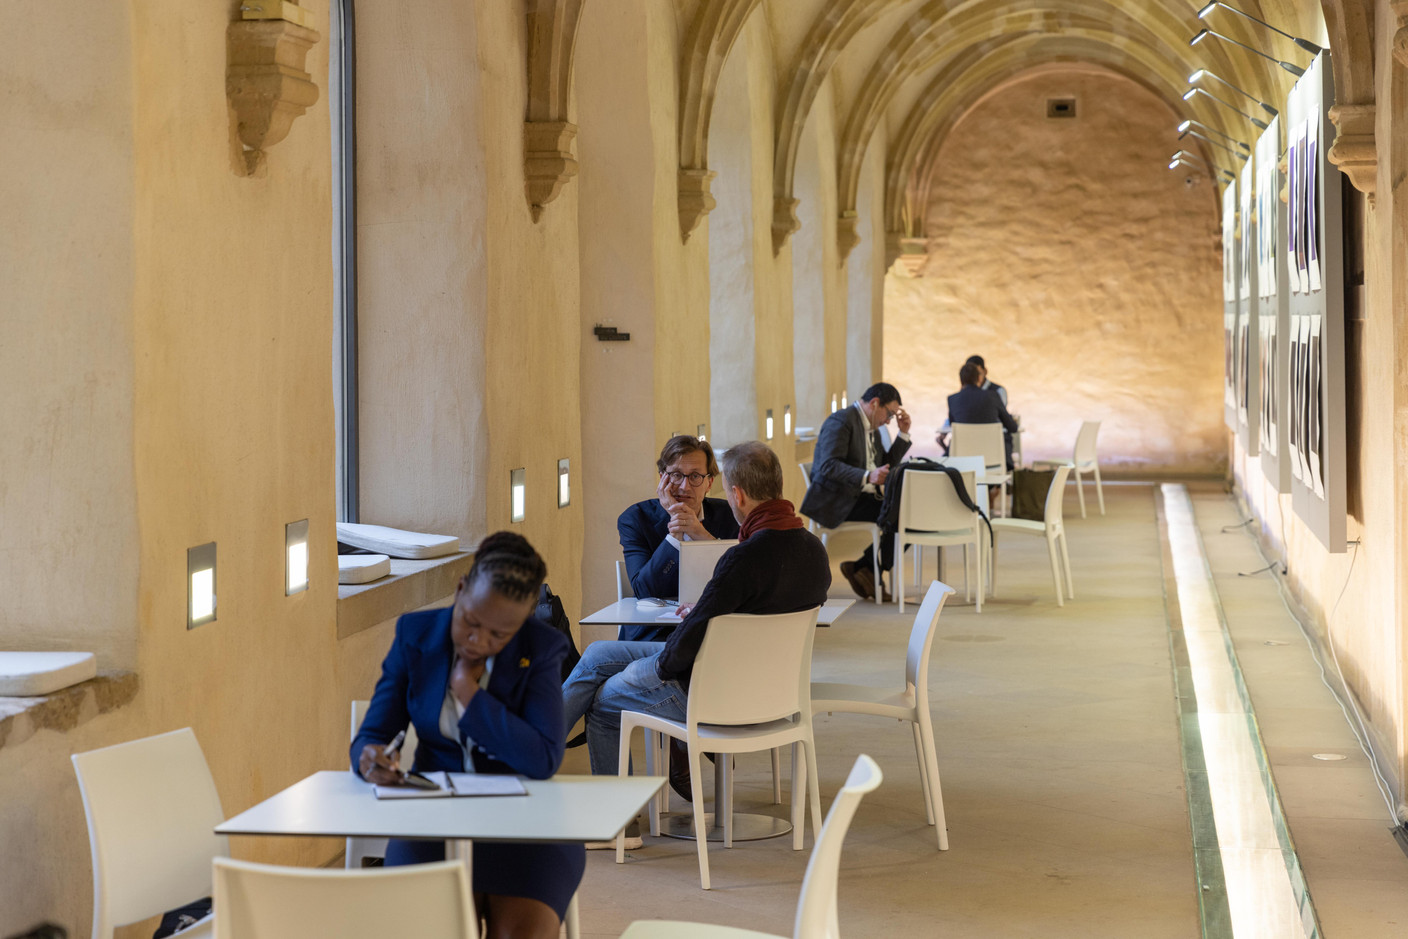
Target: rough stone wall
pixel 1085 272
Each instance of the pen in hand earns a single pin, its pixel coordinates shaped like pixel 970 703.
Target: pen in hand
pixel 389 751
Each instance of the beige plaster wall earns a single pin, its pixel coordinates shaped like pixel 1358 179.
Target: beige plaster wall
pixel 66 502
pixel 423 277
pixel 1355 599
pixel 865 280
pixel 1086 273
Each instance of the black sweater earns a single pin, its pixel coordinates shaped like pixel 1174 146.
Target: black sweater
pixel 774 571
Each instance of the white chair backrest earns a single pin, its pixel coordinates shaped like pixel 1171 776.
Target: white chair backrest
pixel 152 809
pixel 698 559
pixel 1085 442
pixel 1055 496
pixel 984 440
pixel 921 637
pixel 623 582
pixel 408 747
pixel 752 669
pixel 928 502
pixel 806 473
pixel 261 901
pixel 965 464
pixel 816 907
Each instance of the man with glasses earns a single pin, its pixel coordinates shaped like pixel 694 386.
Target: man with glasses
pixel 849 467
pixel 651 531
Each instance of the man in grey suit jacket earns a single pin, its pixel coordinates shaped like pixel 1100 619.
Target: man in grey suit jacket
pixel 849 466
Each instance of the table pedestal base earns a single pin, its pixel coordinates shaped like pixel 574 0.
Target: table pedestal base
pixel 746 827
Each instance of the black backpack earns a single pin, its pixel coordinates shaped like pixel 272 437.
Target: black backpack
pixel 551 611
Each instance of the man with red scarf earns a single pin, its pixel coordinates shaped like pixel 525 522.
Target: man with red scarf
pixel 777 567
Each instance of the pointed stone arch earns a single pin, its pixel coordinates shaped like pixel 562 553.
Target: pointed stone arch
pixel 549 138
pixel 711 35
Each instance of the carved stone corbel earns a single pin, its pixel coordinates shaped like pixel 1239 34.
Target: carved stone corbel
pixel 264 77
pixel 914 254
pixel 1400 38
pixel 784 221
pixel 548 161
pixel 847 237
pixel 695 200
pixel 1354 150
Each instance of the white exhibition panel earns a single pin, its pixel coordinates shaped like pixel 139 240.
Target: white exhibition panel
pixel 1229 305
pixel 1248 326
pixel 1273 289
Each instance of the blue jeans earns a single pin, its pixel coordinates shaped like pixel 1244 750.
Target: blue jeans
pixel 613 677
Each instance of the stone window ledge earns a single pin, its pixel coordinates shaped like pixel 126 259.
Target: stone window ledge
pixel 410 586
pixel 21 718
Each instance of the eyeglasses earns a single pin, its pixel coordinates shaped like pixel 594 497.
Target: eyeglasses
pixel 695 480
pixel 891 415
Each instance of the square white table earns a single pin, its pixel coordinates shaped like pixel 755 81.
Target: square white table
pixel 630 612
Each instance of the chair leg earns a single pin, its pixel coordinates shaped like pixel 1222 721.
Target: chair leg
pixel 701 831
pixel 1099 492
pixel 992 563
pixel 967 591
pixel 623 768
pixel 573 922
pixel 1080 491
pixel 978 562
pixel 923 773
pixel 723 795
pixel 799 797
pixel 1051 552
pixel 813 786
pixel 776 775
pixel 926 736
pixel 899 581
pixel 1066 561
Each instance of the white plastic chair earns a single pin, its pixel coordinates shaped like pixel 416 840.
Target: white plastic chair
pixel 817 904
pixel 824 533
pixel 1052 527
pixel 359 848
pixel 152 809
pixel 910 703
pixel 1084 459
pixel 984 440
pixel 750 690
pixel 932 514
pixel 623 582
pixel 262 901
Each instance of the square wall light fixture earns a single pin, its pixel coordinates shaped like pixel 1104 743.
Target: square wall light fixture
pixel 200 585
pixel 767 424
pixel 699 432
pixel 564 487
pixel 296 555
pixel 787 421
pixel 517 492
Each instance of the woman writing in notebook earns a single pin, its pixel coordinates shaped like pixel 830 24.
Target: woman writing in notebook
pixel 481 683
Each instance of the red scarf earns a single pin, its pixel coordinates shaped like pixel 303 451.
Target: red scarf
pixel 775 514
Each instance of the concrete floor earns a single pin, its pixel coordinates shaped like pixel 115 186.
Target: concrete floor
pixel 1060 760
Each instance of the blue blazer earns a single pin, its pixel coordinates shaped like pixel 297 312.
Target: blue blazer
pixel 974 405
pixel 516 722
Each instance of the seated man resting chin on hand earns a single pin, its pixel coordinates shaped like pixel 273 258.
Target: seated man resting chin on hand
pixel 651 531
pixel 777 567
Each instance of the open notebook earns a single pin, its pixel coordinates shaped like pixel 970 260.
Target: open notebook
pixel 457 784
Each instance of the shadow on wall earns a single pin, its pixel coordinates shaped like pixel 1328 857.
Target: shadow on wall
pixel 1065 253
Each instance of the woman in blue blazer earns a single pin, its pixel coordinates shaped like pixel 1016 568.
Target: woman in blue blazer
pixel 482 683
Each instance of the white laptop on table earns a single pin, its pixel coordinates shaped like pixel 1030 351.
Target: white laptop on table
pixel 697 562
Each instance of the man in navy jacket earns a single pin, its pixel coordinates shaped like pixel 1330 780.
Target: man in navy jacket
pixel 651 531
pixel 974 404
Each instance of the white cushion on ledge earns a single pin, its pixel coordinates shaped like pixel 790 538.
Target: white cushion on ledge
pixel 396 543
pixel 30 674
pixel 362 568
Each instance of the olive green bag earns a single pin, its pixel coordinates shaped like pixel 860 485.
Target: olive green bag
pixel 1029 488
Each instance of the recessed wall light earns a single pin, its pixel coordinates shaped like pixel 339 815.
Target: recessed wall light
pixel 843 400
pixel 699 432
pixel 517 491
pixel 787 421
pixel 833 404
pixel 296 557
pixel 564 486
pixel 767 424
pixel 200 581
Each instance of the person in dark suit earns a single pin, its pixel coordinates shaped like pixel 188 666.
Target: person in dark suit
pixel 480 681
pixel 973 404
pixel 651 531
pixel 777 567
pixel 849 466
pixel 986 383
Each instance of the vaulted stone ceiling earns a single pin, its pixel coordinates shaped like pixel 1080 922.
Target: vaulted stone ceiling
pixel 915 66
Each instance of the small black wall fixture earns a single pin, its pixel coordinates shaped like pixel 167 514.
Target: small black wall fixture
pixel 610 334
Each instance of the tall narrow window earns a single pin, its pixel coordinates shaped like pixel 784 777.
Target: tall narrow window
pixel 342 100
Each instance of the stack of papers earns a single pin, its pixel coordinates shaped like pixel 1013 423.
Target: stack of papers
pixel 396 543
pixel 456 784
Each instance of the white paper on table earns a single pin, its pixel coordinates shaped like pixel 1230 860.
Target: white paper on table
pixel 669 616
pixel 486 784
